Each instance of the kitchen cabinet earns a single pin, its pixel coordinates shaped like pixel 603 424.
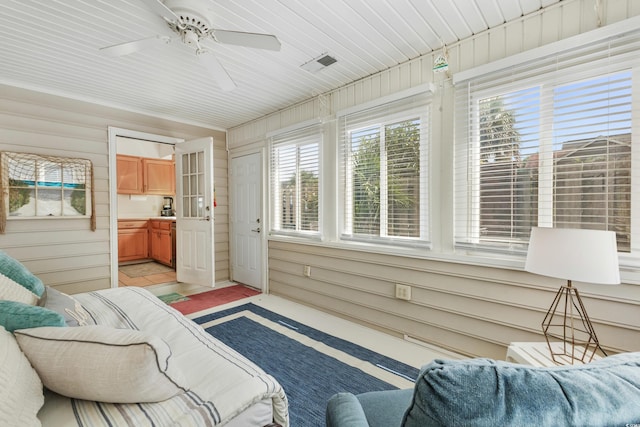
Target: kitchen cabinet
pixel 142 175
pixel 159 176
pixel 129 174
pixel 133 240
pixel 160 241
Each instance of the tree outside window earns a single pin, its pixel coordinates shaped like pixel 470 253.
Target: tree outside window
pixel 386 180
pixel 300 202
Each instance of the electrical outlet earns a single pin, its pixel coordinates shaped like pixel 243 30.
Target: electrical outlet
pixel 403 292
pixel 307 271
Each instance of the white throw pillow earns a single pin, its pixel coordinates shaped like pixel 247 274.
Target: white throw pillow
pixel 102 363
pixel 13 291
pixel 21 394
pixel 18 273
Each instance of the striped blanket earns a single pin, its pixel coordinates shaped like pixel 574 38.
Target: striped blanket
pixel 222 383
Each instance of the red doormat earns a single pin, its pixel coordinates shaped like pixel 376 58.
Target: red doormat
pixel 204 300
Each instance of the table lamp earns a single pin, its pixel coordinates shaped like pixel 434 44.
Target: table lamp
pixel 582 255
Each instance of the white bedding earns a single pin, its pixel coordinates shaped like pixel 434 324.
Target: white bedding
pixel 223 385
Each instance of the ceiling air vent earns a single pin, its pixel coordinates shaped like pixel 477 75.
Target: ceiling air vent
pixel 319 63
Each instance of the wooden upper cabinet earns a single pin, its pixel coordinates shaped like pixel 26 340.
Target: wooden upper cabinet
pixel 159 176
pixel 129 174
pixel 141 175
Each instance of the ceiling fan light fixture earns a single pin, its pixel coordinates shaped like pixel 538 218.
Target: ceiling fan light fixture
pixel 190 38
pixel 191 20
pixel 193 14
pixel 319 63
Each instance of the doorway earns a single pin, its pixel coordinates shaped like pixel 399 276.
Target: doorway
pixel 114 135
pixel 246 220
pixel 146 255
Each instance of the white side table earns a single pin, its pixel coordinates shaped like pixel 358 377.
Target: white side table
pixel 537 354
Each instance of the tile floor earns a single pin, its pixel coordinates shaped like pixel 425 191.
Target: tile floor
pixel 154 279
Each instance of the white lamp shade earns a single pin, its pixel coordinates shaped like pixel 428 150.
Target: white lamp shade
pixel 589 256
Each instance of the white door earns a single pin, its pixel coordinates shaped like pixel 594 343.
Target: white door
pixel 246 222
pixel 194 212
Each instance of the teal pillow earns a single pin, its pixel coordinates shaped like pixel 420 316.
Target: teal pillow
pixel 483 392
pixel 16 315
pixel 13 269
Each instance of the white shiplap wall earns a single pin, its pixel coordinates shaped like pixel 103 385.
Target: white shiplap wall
pixel 557 22
pixel 475 310
pixel 65 253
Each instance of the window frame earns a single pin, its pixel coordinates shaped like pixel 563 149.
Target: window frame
pixel 418 106
pixel 41 179
pixel 304 134
pixel 547 82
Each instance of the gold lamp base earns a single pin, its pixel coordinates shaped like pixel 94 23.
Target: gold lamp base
pixel 567 321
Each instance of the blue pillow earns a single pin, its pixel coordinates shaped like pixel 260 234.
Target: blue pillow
pixel 482 392
pixel 17 272
pixel 16 315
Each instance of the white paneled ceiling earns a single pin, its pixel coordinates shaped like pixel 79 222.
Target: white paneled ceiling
pixel 53 46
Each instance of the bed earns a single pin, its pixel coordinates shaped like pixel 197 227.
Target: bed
pixel 219 386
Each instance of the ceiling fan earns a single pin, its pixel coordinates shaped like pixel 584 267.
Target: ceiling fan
pixel 191 21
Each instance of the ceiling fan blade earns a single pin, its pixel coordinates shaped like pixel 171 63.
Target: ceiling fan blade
pixel 216 69
pixel 127 48
pixel 159 8
pixel 258 41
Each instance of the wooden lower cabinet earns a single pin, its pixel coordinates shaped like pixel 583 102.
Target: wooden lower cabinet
pixel 160 242
pixel 133 240
pixel 141 239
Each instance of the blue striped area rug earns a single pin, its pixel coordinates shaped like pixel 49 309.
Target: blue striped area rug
pixel 310 364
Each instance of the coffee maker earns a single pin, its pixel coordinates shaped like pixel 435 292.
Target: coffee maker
pixel 167 207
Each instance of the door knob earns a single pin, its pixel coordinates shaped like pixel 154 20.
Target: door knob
pixel 256 230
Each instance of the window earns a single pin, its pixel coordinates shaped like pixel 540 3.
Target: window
pixel 547 144
pixel 46 186
pixel 384 172
pixel 193 187
pixel 295 181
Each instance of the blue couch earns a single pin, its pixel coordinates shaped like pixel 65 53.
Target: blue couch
pixel 483 392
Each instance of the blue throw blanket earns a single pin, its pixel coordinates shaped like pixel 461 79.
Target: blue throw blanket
pixel 483 392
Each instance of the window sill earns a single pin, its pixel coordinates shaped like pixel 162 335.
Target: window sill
pixel 629 267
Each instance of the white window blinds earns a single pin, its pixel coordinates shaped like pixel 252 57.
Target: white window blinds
pixel 384 171
pixel 548 143
pixel 294 170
